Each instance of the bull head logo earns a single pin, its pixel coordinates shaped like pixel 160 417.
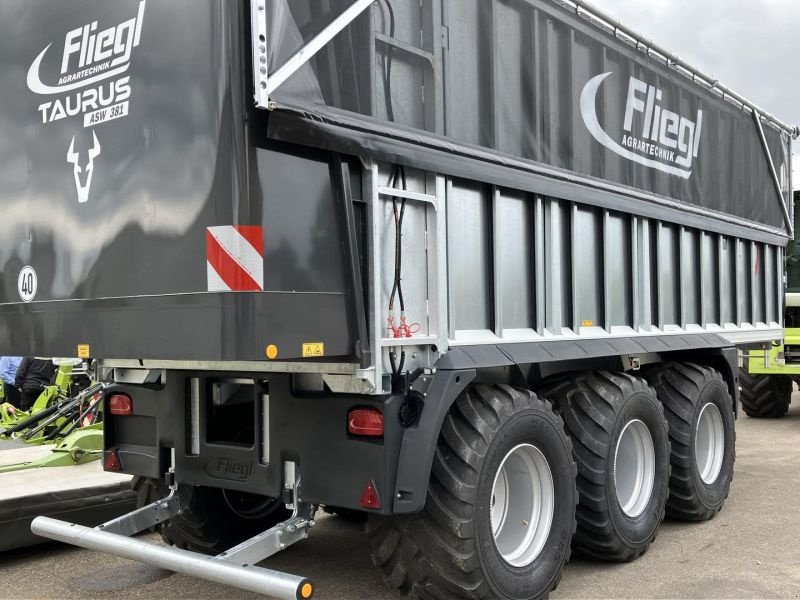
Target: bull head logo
pixel 87 170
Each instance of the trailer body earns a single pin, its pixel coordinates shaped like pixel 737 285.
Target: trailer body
pixel 206 197
pixel 181 162
pixel 172 224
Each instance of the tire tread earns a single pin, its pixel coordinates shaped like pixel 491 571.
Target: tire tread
pixel 431 554
pixel 208 526
pixel 679 386
pixel 765 396
pixel 588 404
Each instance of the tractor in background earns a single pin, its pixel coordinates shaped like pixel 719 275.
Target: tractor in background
pixel 768 374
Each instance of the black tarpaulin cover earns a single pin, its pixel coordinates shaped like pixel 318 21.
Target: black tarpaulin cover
pixel 532 80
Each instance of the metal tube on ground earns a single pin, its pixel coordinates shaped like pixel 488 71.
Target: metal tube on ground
pixel 254 579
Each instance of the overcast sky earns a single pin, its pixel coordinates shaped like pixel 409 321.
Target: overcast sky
pixel 752 46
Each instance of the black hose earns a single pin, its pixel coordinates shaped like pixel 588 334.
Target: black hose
pixel 392 182
pixel 63 409
pixel 397 286
pixel 78 423
pixel 399 260
pixel 400 172
pixel 387 72
pixel 35 418
pixel 402 362
pixel 57 432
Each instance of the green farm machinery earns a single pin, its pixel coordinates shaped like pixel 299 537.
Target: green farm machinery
pixel 49 460
pixel 768 374
pixel 61 410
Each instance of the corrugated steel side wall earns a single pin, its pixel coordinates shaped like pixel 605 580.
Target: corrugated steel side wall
pixel 523 266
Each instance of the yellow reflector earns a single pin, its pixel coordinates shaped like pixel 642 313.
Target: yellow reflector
pixel 587 323
pixel 306 590
pixel 272 352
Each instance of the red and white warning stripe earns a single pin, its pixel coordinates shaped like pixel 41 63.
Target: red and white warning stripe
pixel 235 258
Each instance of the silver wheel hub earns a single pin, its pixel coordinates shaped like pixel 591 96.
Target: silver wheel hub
pixel 522 505
pixel 709 443
pixel 634 468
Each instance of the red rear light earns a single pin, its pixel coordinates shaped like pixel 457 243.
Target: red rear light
pixel 111 461
pixel 365 421
pixel 369 499
pixel 120 405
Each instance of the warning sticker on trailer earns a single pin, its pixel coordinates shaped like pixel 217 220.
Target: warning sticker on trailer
pixel 235 258
pixel 313 350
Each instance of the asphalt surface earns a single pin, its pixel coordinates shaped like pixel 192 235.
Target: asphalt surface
pixel 750 550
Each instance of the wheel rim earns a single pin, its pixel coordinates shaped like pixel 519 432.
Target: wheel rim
pixel 522 505
pixel 709 443
pixel 634 468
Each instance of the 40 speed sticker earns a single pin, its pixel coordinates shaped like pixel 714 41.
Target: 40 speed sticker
pixel 27 283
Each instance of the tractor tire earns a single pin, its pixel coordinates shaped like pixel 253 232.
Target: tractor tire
pixel 621 445
pixel 699 410
pixel 214 521
pixel 765 396
pixel 500 508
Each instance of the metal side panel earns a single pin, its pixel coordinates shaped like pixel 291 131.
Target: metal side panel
pixel 598 274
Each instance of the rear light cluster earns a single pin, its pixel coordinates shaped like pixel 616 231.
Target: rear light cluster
pixel 120 405
pixel 365 421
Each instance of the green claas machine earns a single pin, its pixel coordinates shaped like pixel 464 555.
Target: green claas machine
pixel 10 416
pixel 64 419
pixel 46 456
pixel 768 374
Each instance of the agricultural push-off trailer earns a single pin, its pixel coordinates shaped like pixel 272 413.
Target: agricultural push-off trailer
pixel 459 264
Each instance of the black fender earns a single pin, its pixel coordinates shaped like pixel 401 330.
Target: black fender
pixel 435 391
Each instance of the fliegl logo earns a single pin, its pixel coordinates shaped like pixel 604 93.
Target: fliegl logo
pixel 89 80
pixel 651 134
pixel 226 468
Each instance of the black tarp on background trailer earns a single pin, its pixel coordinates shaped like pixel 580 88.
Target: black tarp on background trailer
pixel 530 79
